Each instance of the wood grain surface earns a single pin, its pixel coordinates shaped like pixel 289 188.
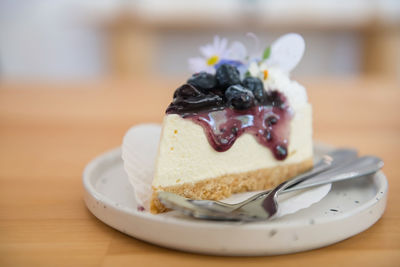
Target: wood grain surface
pixel 49 132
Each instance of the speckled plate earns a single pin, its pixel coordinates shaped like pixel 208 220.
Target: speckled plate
pixel 349 208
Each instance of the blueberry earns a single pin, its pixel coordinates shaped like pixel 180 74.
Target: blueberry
pixel 203 81
pixel 187 90
pixel 239 97
pixel 256 86
pixel 195 103
pixel 227 75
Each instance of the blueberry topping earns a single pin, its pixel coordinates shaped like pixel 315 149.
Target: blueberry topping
pixel 203 81
pixel 256 86
pixel 187 90
pixel 227 75
pixel 239 97
pixel 242 106
pixel 239 111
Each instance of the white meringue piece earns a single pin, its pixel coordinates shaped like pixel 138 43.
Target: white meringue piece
pixel 286 52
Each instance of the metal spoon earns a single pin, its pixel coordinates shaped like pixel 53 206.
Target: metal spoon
pixel 266 207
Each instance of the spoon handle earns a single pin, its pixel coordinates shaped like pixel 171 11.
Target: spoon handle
pixel 355 168
pixel 359 167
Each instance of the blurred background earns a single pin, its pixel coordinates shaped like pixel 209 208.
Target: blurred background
pixel 73 40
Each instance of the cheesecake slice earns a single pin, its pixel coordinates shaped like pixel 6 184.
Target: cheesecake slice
pixel 232 131
pixel 265 145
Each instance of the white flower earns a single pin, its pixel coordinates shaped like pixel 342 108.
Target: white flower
pixel 258 69
pixel 217 53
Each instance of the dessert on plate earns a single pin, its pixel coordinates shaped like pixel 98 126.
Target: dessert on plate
pixel 239 123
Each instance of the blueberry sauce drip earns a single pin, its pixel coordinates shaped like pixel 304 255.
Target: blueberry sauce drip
pixel 269 125
pixel 226 108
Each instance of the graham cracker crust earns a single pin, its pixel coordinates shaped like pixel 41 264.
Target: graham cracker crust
pixel 226 185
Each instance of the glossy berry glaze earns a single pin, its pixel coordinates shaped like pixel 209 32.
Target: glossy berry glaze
pixel 269 125
pixel 268 122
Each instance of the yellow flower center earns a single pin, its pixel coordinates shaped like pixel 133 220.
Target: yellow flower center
pixel 265 74
pixel 212 60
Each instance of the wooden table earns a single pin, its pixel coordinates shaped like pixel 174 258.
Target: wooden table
pixel 49 132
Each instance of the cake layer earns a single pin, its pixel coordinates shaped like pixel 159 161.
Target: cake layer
pixel 185 155
pixel 225 185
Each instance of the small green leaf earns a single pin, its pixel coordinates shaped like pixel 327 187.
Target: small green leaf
pixel 267 53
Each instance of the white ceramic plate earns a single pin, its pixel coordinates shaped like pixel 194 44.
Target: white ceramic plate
pixel 348 209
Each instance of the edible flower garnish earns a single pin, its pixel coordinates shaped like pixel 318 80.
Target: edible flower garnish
pixel 285 53
pixel 218 53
